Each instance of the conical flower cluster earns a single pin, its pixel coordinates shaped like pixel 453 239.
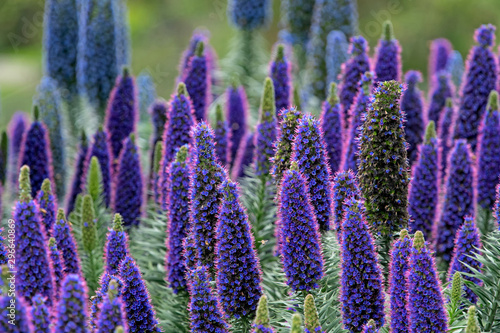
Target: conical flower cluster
pixel 47 205
pixel 40 315
pixel 332 124
pixel 440 52
pixel 236 114
pixel 116 248
pixel 388 56
pixel 412 104
pixel 66 243
pixel 280 73
pixel 261 323
pixel 442 90
pixel 71 311
pixel 221 131
pixel 398 290
pixel 112 311
pixel 345 186
pixel 311 318
pixel 445 133
pixel 265 131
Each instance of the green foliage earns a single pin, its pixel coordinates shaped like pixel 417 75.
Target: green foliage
pixel 454 307
pixel 89 231
pixel 485 221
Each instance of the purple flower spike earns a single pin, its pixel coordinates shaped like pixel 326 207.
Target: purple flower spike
pixel 71 311
pixel 445 132
pixel 441 49
pixel 57 266
pixel 236 115
pixel 198 82
pixel 265 133
pixel 204 310
pixel 79 175
pixel 158 111
pixel 310 153
pixel 426 310
pixel 424 185
pixel 441 91
pixel 18 125
pixel 66 243
pixel 112 313
pixel 467 244
pixel 412 104
pixel 458 200
pixel 400 256
pixel 244 157
pixel 178 220
pixel 361 292
pixel 280 73
pixel 102 150
pixel 488 154
pixel 128 196
pixel 332 124
pixel 238 269
pixel 345 186
pixel 116 248
pixel 139 311
pixel 40 315
pixel 388 56
pixel 100 294
pixel 221 136
pixel 481 75
pixel 23 321
pixel 351 74
pixel 47 204
pixel 300 245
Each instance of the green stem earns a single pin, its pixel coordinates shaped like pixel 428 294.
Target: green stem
pixel 493 311
pixel 92 277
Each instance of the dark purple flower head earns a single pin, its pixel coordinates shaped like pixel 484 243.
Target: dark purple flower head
pixel 458 200
pixel 199 35
pixel 361 292
pixel 236 115
pixel 424 185
pixel 352 70
pixel 198 82
pixel 371 327
pixel 481 75
pixel 221 136
pixel 3 250
pixel 23 321
pixel 249 15
pixel 356 115
pixel 300 244
pixel 122 111
pixel 71 311
pixel 36 154
pixel 388 56
pixel 206 177
pixel 116 248
pixel 310 153
pixel 280 73
pixel 128 188
pixel 442 89
pixel 100 294
pixel 204 309
pixel 265 133
pixel 33 265
pixel 244 157
pixel 238 270
pixel 40 315
pixel 496 208
pixel 66 244
pixel 48 205
pixel 440 52
pixel 400 256
pixel 345 186
pixel 178 219
pixel 159 112
pixel 467 245
pixel 18 125
pixel 445 132
pixel 79 175
pixel 332 124
pixel 426 310
pixel 412 104
pixel 140 314
pixel 284 143
pixel 101 149
pixel 112 312
pixel 57 266
pixel 488 154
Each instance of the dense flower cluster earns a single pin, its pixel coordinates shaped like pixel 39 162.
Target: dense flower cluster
pixel 331 123
pixel 280 73
pixel 388 56
pixel 412 105
pixel 441 91
pixel 236 115
pixel 100 294
pixel 221 131
pixel 440 52
pixel 345 186
pixel 57 265
pixel 17 127
pixel 23 316
pixel 71 311
pixel 445 132
pixel 66 243
pixel 112 312
pixel 265 130
pixel 47 206
pixel 40 315
pixel 116 248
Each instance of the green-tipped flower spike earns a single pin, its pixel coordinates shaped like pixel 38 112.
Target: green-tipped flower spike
pixel 294 166
pixel 182 154
pixel 430 132
pixel 418 241
pixel 456 289
pixel 94 180
pixel 333 95
pixel 388 31
pixel 118 223
pixel 89 231
pixel 119 329
pixel 266 130
pixel 182 90
pixel 472 324
pixel 296 97
pixel 268 107
pixel 113 289
pixel 261 324
pixel 492 101
pixel 403 233
pixel 280 52
pixel 449 102
pixel 74 216
pixel 24 184
pixel 157 157
pixel 296 324
pixel 311 318
pixel 200 48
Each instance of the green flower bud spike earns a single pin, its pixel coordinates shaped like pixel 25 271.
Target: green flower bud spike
pixel 296 97
pixel 333 96
pixel 118 223
pixel 182 154
pixel 456 289
pixel 311 318
pixel 94 180
pixel 262 317
pixel 492 101
pixel 388 31
pixel 24 184
pixel 472 324
pixel 430 132
pixel 112 289
pixel 181 89
pixel 157 157
pixel 296 324
pixel 418 241
pixel 268 107
pixel 119 329
pixel 200 47
pixel 89 231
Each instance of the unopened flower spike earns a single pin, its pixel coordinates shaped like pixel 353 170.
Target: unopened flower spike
pixel 262 323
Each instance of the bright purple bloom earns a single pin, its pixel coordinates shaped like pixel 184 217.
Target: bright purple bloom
pixel 17 127
pixel 238 269
pixel 57 266
pixel 178 220
pixel 332 125
pixel 280 73
pixel 458 200
pixel 488 154
pixel 3 251
pixel 357 65
pixel 236 115
pixel 204 310
pixel 300 244
pixel 40 315
pixel 47 204
pixel 310 153
pixel 189 253
pixel 400 256
pixel 481 74
pixel 100 294
pixel 112 312
pixel 361 292
pixel 71 311
pixel 445 132
pixel 23 316
pixel 244 157
pixel 128 196
pixel 66 243
pixel 440 52
pixel 345 186
pixel 102 150
pixel 388 56
pixel 79 175
pixel 424 186
pixel 412 104
pixel 116 248
pixel 357 115
pixel 265 132
pixel 442 89
pixel 122 112
pixel 139 311
pixel 426 310
pixel 221 137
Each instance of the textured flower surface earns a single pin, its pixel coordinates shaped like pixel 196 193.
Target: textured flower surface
pixel 261 323
pixel 79 175
pixel 442 90
pixel 40 315
pixel 280 73
pixel 300 245
pixel 332 125
pixel 388 56
pixel 23 323
pixel 398 290
pixel 221 136
pixel 236 114
pixel 71 311
pixel 310 153
pixel 445 133
pixel 112 310
pixel 361 292
pixel 238 273
pixel 311 318
pixel 101 149
pixel 100 294
pixel 249 15
pixel 426 310
pixel 116 248
pixel 66 243
pixel 47 204
pixel 440 52
pixel 345 186
pixel 265 132
pixel 198 84
pixel 57 266
pixel 412 104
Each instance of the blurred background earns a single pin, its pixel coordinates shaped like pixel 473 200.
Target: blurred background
pixel 160 31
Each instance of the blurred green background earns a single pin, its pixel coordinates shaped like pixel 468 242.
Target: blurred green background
pixel 161 30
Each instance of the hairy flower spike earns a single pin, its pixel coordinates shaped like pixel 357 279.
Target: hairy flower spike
pixel 310 153
pixel 345 186
pixel 251 15
pixel 236 115
pixel 57 265
pixel 102 151
pixel 101 294
pixel 424 185
pixel 398 290
pixel 412 104
pixel 94 180
pixel 458 201
pixel 332 124
pixel 311 318
pixel 438 58
pixel 383 167
pixel 71 311
pixel 221 136
pixel 456 288
pixel 299 235
pixel 88 223
pixel 112 312
pixel 266 130
pixel 472 323
pixel 238 270
pixel 66 244
pixel 441 91
pixel 480 79
pixel 79 175
pixel 261 323
pixel 116 248
pixel 280 73
pixel 40 315
pixel 47 205
pixel 388 56
pixel 296 324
